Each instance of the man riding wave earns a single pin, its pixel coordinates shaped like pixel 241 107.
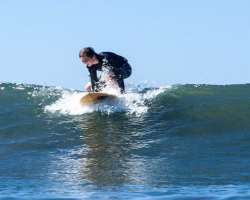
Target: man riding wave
pixel 114 69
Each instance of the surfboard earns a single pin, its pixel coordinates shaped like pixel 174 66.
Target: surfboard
pixel 97 97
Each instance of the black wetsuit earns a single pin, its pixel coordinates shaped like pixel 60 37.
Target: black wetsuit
pixel 117 65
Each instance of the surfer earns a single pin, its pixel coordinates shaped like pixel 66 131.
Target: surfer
pixel 114 69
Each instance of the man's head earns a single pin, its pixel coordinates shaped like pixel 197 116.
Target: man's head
pixel 88 56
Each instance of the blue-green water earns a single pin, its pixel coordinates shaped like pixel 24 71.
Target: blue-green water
pixel 181 142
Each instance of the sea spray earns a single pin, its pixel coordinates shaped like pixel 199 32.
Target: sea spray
pixel 132 103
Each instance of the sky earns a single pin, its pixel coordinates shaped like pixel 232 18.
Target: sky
pixel 166 42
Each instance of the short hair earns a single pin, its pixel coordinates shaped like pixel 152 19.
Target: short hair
pixel 88 52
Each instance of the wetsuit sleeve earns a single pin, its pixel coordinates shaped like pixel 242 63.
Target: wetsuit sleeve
pixel 93 78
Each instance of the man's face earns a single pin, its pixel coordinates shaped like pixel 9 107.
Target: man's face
pixel 89 61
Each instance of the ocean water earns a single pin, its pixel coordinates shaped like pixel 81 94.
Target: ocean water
pixel 175 142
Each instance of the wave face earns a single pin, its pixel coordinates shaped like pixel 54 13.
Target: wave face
pixel 156 143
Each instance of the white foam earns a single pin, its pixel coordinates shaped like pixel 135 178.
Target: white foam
pixel 20 87
pixel 131 103
pixel 69 103
pixel 135 102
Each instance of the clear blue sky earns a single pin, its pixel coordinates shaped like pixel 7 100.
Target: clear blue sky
pixel 166 42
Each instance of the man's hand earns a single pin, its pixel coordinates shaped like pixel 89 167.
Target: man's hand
pixel 88 87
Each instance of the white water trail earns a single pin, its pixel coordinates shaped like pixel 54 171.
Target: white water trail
pixel 131 103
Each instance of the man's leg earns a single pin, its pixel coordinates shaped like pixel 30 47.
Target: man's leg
pixel 121 85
